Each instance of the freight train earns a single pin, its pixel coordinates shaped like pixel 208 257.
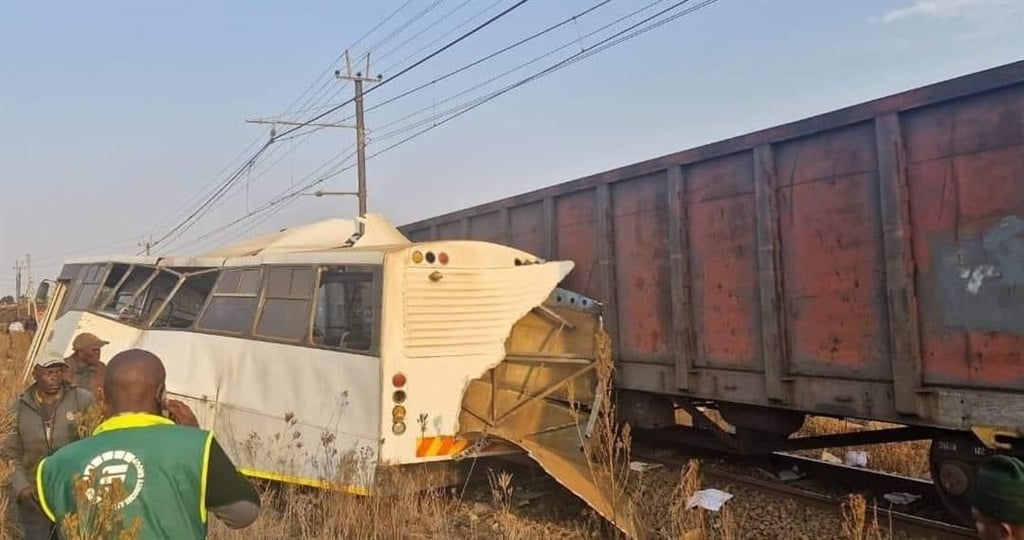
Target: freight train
pixel 866 263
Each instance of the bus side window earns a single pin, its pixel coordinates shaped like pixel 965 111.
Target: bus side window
pixel 92 277
pixel 286 305
pixel 233 306
pixel 344 310
pixel 114 280
pixel 71 274
pixel 184 307
pixel 119 290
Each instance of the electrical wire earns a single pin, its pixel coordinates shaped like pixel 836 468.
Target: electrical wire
pixel 619 37
pixel 509 71
pixel 329 71
pixel 499 52
pixel 415 65
pixel 219 193
pixel 585 53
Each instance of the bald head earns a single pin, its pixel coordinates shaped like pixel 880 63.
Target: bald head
pixel 134 382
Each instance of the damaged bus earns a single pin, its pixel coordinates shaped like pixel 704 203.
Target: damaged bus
pixel 320 353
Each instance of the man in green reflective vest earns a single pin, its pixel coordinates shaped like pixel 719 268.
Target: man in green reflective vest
pixel 140 471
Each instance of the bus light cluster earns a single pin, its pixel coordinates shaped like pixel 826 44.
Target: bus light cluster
pixel 398 411
pixel 418 257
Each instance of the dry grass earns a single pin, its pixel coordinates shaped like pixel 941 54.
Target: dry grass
pixel 858 523
pixel 497 507
pixel 13 348
pixel 906 458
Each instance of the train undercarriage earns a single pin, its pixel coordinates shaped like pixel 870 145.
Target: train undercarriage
pixel 739 429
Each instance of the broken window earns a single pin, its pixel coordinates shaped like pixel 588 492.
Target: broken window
pixel 92 276
pixel 184 306
pixel 235 298
pixel 287 303
pixel 119 289
pixel 152 296
pixel 346 305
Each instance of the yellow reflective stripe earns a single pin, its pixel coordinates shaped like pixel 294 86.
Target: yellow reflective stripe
pixel 131 420
pixel 308 482
pixel 41 495
pixel 435 446
pixel 202 478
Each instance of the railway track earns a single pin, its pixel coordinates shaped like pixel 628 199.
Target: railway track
pixel 825 485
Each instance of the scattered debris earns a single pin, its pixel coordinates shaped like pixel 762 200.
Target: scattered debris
pixel 790 475
pixel 524 497
pixel 709 499
pixel 830 458
pixel 642 467
pixel 855 458
pixel 901 498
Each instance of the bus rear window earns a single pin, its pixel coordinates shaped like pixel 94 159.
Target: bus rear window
pixel 345 310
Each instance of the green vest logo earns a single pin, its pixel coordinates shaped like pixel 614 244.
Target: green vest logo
pixel 113 466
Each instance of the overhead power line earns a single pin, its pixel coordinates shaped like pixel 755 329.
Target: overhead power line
pixel 411 55
pixel 227 184
pixel 634 30
pixel 415 65
pixel 510 71
pixel 329 71
pixel 620 37
pixel 499 52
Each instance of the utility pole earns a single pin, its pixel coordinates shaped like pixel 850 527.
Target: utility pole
pixel 146 244
pixel 358 78
pixel 28 266
pixel 17 281
pixel 360 126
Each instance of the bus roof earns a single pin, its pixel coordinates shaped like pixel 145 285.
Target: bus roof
pixel 328 241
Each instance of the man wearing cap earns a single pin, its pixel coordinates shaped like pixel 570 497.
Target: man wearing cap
pixel 86 371
pixel 997 499
pixel 46 418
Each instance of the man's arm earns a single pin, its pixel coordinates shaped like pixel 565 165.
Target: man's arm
pixel 229 495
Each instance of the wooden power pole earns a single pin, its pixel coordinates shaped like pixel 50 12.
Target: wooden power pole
pixel 358 78
pixel 17 281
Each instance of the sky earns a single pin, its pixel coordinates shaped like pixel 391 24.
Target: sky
pixel 118 118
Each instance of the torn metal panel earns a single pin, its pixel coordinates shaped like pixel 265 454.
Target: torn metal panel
pixel 541 396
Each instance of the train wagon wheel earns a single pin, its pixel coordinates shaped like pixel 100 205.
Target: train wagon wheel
pixel 953 460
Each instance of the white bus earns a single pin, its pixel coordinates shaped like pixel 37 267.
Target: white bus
pixel 319 354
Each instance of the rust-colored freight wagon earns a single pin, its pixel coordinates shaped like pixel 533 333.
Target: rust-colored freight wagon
pixel 867 263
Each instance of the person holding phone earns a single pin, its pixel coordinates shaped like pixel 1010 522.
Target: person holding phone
pixel 170 473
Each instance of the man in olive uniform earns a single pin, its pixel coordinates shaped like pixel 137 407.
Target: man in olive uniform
pixel 997 499
pixel 46 418
pixel 86 368
pixel 170 475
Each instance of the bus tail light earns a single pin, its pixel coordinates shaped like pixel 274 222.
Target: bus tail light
pixel 442 258
pixel 398 411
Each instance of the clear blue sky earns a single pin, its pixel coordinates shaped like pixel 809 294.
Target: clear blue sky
pixel 114 115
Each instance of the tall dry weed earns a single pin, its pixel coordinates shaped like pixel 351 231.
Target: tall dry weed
pixel 858 522
pixel 96 516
